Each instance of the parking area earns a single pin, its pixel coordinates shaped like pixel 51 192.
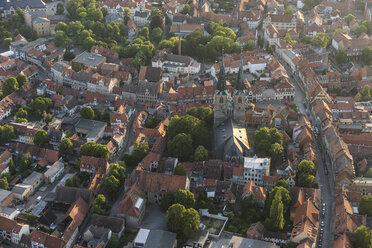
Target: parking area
pixel 154 218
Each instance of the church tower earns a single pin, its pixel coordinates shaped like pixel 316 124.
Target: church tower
pixel 221 111
pixel 239 97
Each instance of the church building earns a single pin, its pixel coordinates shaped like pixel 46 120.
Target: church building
pixel 230 135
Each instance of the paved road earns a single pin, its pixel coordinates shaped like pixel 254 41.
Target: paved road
pixel 324 175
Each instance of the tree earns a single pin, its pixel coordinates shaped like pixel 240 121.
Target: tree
pixel 184 222
pixel 7 133
pixel 321 39
pixel 366 93
pixel 204 114
pixel 349 18
pixel 88 42
pixel 157 21
pixel 288 10
pixel 185 124
pixel 365 205
pixel 118 171
pixel 60 38
pixel 367 55
pixel 114 242
pixel 7 41
pixel 249 46
pixel 363 238
pixel 9 86
pixel 25 162
pixel 156 35
pixel 167 201
pixel 111 186
pixel 268 138
pixel 181 146
pixel 306 167
pixel 285 197
pixel 41 138
pixel 282 183
pixel 155 12
pixel 180 170
pixel 60 9
pixel 100 205
pixel 94 150
pixel 38 106
pixel 341 57
pixel 87 113
pixel 66 146
pixel 61 26
pixel 276 213
pixel 21 79
pixel 186 10
pixel 201 154
pixel 4 183
pixel 185 198
pixel 145 32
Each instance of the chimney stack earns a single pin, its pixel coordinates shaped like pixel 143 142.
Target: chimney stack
pixel 179 46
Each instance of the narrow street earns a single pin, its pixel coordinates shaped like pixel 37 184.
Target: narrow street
pixel 324 175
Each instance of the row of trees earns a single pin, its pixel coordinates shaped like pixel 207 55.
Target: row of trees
pixel 114 179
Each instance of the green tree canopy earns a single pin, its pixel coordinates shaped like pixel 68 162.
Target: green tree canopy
pixel 184 222
pixel 118 171
pixel 25 162
pixel 140 150
pixel 87 113
pixel 181 146
pixel 282 183
pixel 156 35
pixel 66 146
pixel 180 170
pixel 349 18
pixel 306 166
pixel 9 86
pixel 21 79
pixel 111 185
pixel 341 57
pixel 186 10
pixel 276 219
pixel 60 38
pixel 367 55
pixel 366 93
pixel 4 183
pixel 201 154
pixel 60 9
pixel 365 205
pixel 100 205
pixel 185 198
pixel 41 138
pixel 322 40
pixel 167 200
pixel 157 21
pixel 363 238
pixel 288 10
pixel 6 133
pixel 94 150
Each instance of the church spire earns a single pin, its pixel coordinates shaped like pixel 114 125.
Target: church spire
pixel 221 80
pixel 240 87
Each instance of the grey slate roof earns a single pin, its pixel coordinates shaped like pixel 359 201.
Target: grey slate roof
pixel 33 4
pixel 160 239
pixel 4 194
pixel 87 58
pixel 141 14
pixel 153 74
pixel 59 66
pixel 70 194
pixel 81 76
pixel 186 19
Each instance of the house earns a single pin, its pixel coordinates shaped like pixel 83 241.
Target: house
pixel 24 132
pixel 284 90
pixel 34 180
pixel 11 231
pixel 8 8
pixel 155 185
pixel 352 46
pixel 68 195
pixel 92 164
pixel 4 161
pixel 101 84
pixel 256 231
pixel 96 236
pixel 132 29
pixel 38 21
pixel 90 130
pixel 155 239
pixel 150 74
pixel 6 198
pixel 54 172
pixel 22 47
pixel 9 213
pixel 45 240
pixel 258 193
pixel 116 225
pixel 182 30
pixel 271 35
pixel 132 207
pixel 142 18
pixel 110 55
pixel 285 21
pixel 243 242
pixel 255 169
pixel 175 63
pixel 90 60
pixel 21 191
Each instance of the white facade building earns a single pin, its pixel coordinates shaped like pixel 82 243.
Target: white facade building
pixel 255 169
